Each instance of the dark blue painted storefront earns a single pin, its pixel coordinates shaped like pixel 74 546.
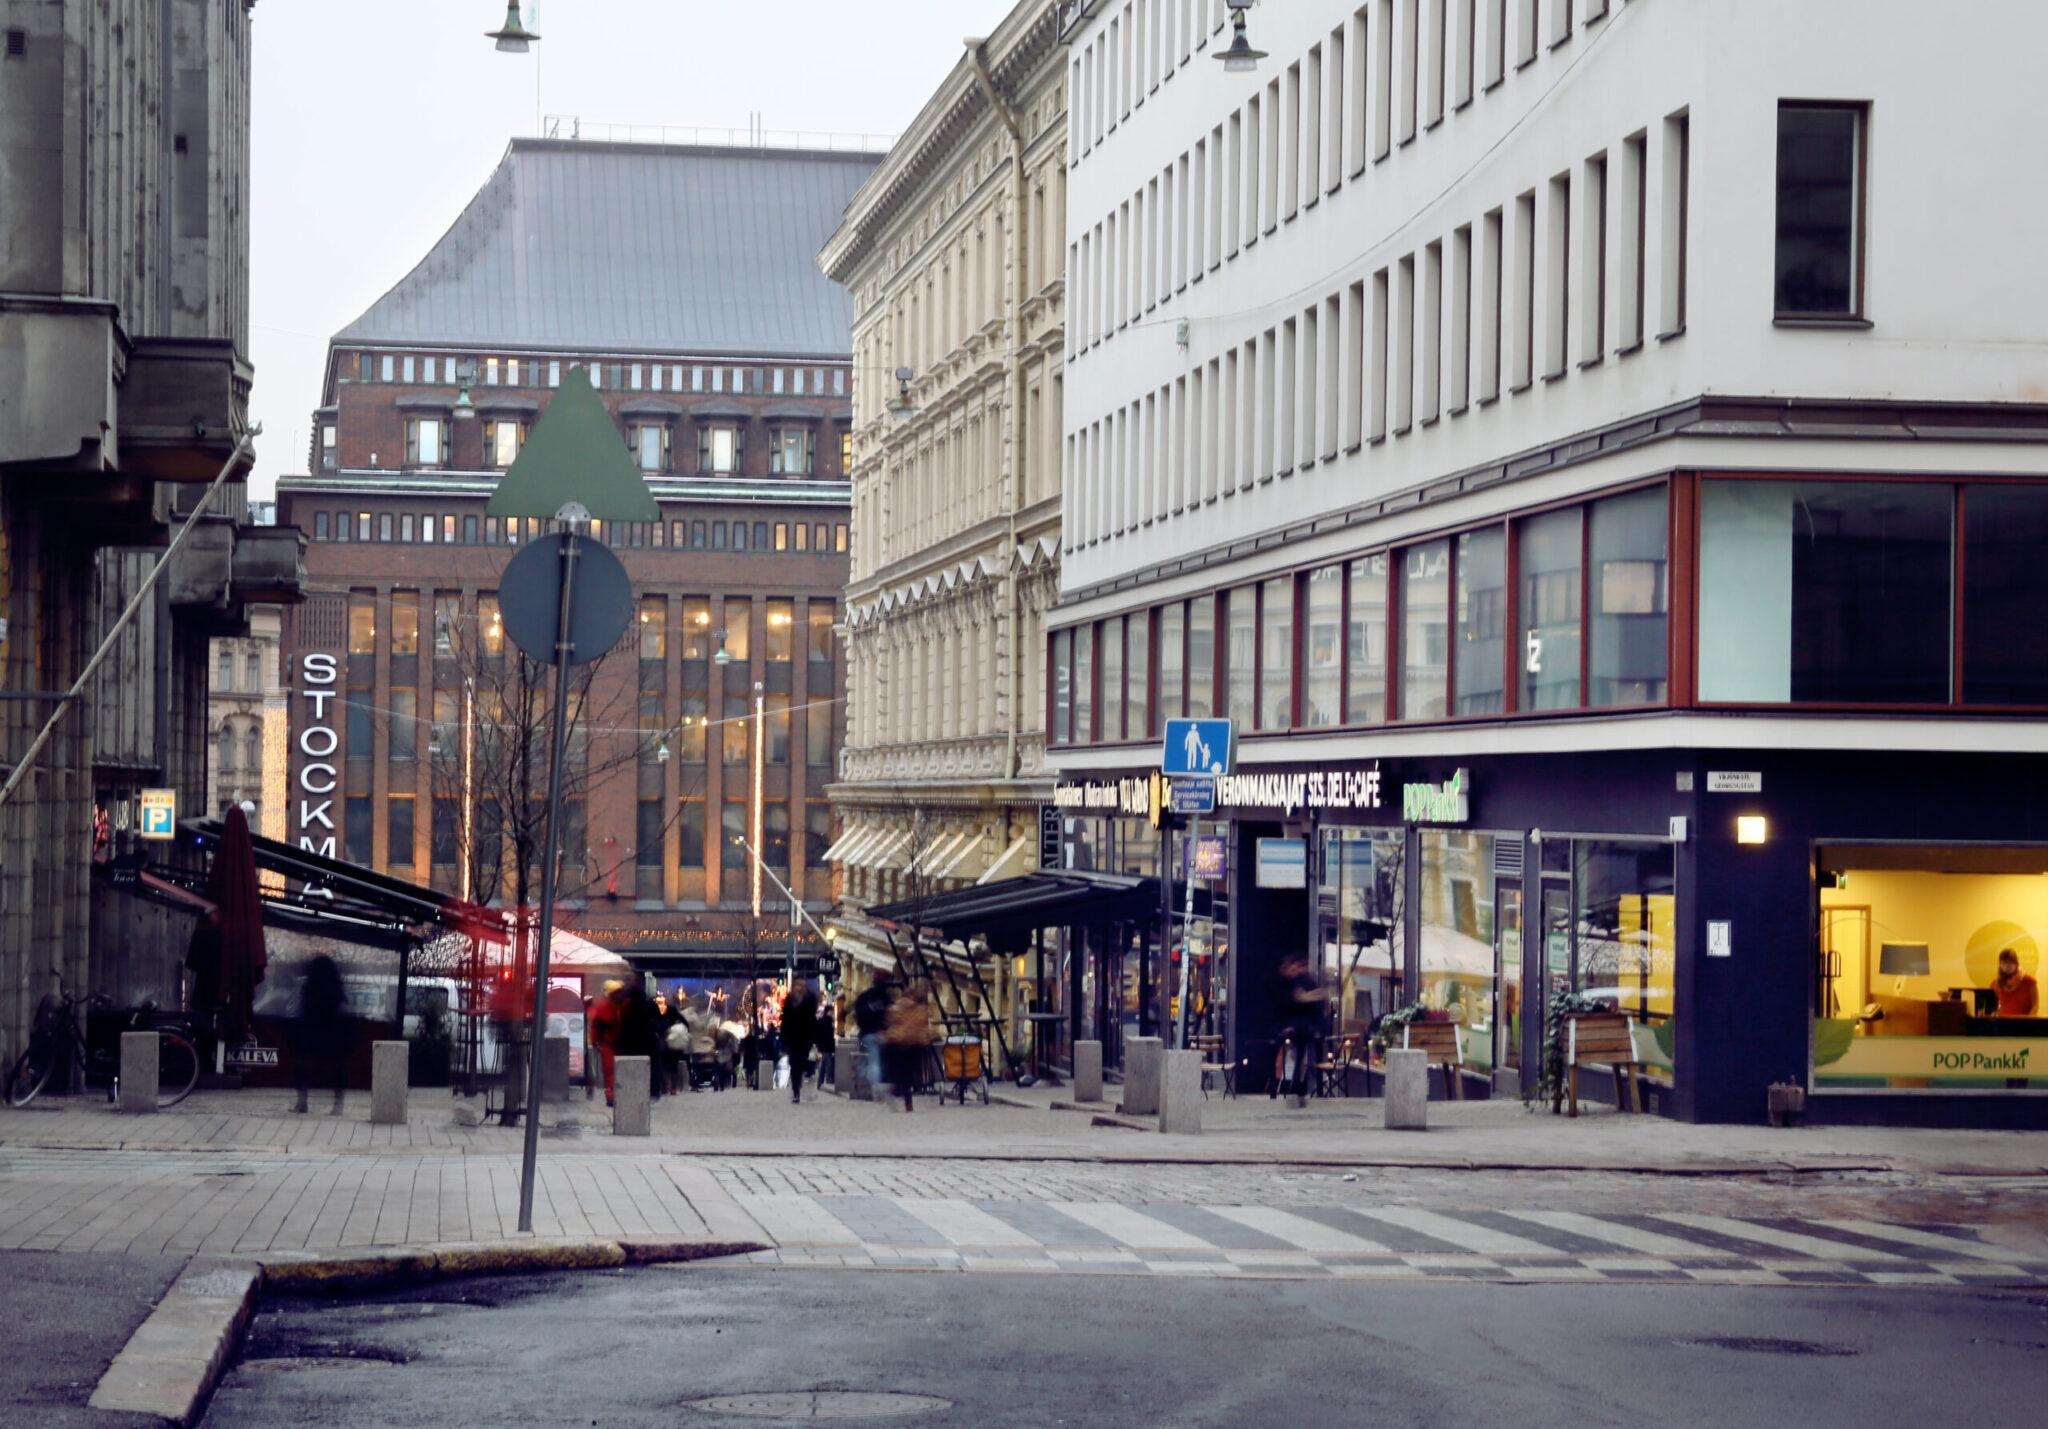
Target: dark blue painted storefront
pixel 1743 1021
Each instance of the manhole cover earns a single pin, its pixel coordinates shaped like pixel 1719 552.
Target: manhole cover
pixel 818 1404
pixel 1753 1345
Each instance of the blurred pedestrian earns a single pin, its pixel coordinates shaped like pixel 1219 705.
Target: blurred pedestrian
pixel 675 1038
pixel 640 1033
pixel 906 1041
pixel 870 1016
pixel 322 1030
pixel 604 1029
pixel 827 1045
pixel 799 1033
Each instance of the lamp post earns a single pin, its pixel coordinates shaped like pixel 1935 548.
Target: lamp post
pixel 754 813
pixel 515 39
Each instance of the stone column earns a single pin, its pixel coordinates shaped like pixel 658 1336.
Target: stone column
pixel 390 1070
pixel 632 1079
pixel 1407 1090
pixel 1180 1093
pixel 554 1069
pixel 1142 1056
pixel 1087 1071
pixel 140 1059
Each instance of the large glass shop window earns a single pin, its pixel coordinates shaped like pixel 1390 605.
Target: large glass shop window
pixel 1930 960
pixel 1624 912
pixel 1457 955
pixel 1362 942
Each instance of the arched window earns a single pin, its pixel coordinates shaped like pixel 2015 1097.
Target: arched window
pixel 252 749
pixel 226 763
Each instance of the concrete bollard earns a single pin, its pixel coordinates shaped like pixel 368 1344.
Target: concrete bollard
pixel 554 1069
pixel 390 1070
pixel 1141 1075
pixel 140 1059
pixel 632 1113
pixel 1087 1071
pixel 1407 1090
pixel 1180 1093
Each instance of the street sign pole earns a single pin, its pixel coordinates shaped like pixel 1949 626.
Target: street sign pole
pixel 558 748
pixel 1187 930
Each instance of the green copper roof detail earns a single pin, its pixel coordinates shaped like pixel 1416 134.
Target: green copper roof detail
pixel 574 454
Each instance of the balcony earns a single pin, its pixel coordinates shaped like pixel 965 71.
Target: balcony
pixel 181 402
pixel 269 565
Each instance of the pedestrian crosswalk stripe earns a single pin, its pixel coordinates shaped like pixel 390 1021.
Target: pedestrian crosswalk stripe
pixel 1298 1230
pixel 966 1224
pixel 792 1219
pixel 1463 1234
pixel 1614 1233
pixel 1128 1227
pixel 1770 1235
pixel 1933 1240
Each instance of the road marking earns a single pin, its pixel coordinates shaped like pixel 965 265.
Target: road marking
pixel 1298 1230
pixel 1593 1228
pixel 795 1220
pixel 1954 1245
pixel 965 1224
pixel 1482 1240
pixel 1807 1245
pixel 1128 1227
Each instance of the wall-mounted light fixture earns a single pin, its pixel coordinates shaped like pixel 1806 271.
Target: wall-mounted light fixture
pixel 903 407
pixel 1751 828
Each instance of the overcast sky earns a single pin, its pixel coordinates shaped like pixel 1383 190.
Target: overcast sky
pixel 377 120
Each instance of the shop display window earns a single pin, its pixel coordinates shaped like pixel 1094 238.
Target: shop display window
pixel 1363 947
pixel 1930 961
pixel 1457 950
pixel 1624 912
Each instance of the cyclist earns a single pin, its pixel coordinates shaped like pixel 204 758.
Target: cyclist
pixel 1297 1018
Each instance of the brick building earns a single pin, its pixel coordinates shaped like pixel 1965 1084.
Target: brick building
pixel 681 278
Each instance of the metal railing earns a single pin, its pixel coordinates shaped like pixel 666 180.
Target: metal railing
pixel 752 136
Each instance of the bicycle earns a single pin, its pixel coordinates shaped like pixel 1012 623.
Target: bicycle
pixel 57 1041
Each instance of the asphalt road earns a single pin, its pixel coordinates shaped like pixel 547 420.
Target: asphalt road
pixel 63 1318
pixel 630 1348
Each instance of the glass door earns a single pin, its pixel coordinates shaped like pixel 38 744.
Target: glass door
pixel 1557 938
pixel 1507 949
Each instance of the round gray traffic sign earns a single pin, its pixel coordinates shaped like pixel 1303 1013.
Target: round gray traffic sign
pixel 530 599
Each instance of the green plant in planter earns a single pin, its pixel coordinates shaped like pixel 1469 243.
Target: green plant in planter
pixel 1389 1030
pixel 1550 1085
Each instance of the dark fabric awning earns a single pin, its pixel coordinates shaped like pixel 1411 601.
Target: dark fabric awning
pixel 1007 912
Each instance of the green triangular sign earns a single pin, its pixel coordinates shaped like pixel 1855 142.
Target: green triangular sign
pixel 574 454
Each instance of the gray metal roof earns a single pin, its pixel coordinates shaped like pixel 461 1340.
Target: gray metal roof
pixel 602 248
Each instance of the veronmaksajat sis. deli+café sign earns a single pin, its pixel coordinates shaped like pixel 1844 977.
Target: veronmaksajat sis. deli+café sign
pixel 1364 787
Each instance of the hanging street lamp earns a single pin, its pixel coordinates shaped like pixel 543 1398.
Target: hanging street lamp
pixel 515 38
pixel 1240 58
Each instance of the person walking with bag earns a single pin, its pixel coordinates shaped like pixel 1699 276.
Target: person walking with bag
pixel 799 1033
pixel 905 1041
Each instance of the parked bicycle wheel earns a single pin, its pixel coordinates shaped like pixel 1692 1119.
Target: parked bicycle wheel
pixel 177 1068
pixel 31 1073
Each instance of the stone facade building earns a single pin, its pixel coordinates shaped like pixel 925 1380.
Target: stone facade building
pixel 952 253
pixel 124 380
pixel 680 278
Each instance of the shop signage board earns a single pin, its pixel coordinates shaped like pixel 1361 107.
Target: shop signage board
pixel 1735 781
pixel 1191 795
pixel 1348 787
pixel 1197 746
pixel 1049 831
pixel 1209 858
pixel 2009 1057
pixel 1282 863
pixel 250 1054
pixel 159 809
pixel 1447 803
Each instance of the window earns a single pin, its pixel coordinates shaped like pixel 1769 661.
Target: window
pixel 1548 554
pixel 650 446
pixel 781 535
pixel 404 721
pixel 845 452
pixel 739 627
pixel 819 614
pixel 839 539
pixel 252 670
pixel 690 833
pixel 384 526
pixel 647 834
pixel 718 450
pixel 1820 211
pixel 696 628
pixel 1824 591
pixel 1172 701
pixel 356 823
pixel 1365 642
pixel 384 368
pixel 1084 684
pixel 361 726
pixel 224 763
pixel 1425 631
pixel 1631 564
pixel 1201 657
pixel 760 537
pixel 1112 645
pixel 320 527
pixel 447 530
pixel 1482 611
pixel 775 835
pixel 775 728
pixel 732 827
pixel 781 636
pixel 502 441
pixel 692 720
pixel 252 748
pixel 1240 655
pixel 654 627
pixel 2005 641
pixel 362 623
pixel 789 451
pixel 398 831
pixel 225 678
pixel 490 626
pixel 1323 654
pixel 446 834
pixel 818 730
pixel 1138 673
pixel 469 530
pixel 405 622
pixel 423 441
pixel 800 533
pixel 1674 218
pixel 696 535
pixel 735 728
pixel 327 456
pixel 447 621
pixel 817 833
pixel 1276 653
pixel 1062 686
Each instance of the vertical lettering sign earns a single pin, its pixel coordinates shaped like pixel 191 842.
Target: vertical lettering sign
pixel 318 744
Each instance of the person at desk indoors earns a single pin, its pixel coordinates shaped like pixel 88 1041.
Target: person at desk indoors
pixel 2018 995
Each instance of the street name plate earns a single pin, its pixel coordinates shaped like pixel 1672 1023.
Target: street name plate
pixel 1191 796
pixel 1735 781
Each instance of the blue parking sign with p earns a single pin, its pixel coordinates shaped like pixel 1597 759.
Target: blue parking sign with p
pixel 1197 746
pixel 159 813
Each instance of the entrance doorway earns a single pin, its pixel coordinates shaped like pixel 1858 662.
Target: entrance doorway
pixel 1507 953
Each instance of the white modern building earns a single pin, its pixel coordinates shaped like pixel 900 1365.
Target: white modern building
pixel 1594 453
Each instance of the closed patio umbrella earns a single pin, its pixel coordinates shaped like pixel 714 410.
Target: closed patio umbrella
pixel 231 885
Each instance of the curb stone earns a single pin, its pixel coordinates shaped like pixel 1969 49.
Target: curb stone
pixel 171 1365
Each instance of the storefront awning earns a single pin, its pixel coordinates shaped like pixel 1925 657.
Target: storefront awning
pixel 968 844
pixel 1010 855
pixel 1006 912
pixel 928 861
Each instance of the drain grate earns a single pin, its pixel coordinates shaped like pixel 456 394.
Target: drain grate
pixel 818 1404
pixel 308 1364
pixel 1757 1345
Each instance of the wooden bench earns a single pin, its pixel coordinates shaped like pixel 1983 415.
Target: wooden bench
pixel 1440 1041
pixel 1602 1042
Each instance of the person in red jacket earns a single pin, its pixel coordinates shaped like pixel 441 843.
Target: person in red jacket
pixel 605 1016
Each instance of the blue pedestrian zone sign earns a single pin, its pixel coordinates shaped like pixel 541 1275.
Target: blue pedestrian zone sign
pixel 1197 746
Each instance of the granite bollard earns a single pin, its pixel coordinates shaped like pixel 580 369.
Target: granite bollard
pixel 554 1069
pixel 632 1080
pixel 390 1070
pixel 1407 1090
pixel 1087 1071
pixel 140 1053
pixel 1141 1075
pixel 1180 1093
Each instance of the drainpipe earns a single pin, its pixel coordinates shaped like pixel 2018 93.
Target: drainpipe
pixel 1013 604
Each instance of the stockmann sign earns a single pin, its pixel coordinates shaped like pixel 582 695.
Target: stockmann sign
pixel 1447 803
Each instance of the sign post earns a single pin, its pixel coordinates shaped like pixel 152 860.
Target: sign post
pixel 1195 753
